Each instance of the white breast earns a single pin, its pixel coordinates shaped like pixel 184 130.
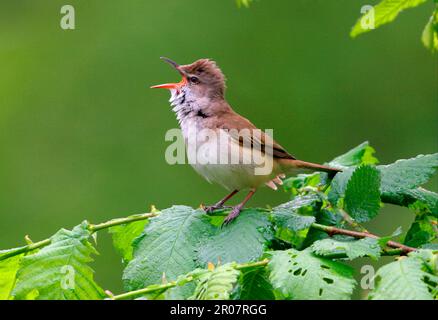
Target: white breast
pixel 209 153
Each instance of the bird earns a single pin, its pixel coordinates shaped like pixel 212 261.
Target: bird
pixel 200 106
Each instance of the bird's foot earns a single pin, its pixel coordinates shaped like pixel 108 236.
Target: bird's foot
pixel 232 215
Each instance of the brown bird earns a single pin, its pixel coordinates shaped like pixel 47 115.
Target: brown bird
pixel 214 133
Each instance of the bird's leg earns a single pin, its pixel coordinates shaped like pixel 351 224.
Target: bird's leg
pixel 220 204
pixel 236 210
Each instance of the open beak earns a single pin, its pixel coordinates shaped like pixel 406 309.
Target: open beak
pixel 174 86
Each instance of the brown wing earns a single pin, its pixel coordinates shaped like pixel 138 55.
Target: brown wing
pixel 232 120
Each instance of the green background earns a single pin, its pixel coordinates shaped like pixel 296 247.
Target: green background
pixel 82 136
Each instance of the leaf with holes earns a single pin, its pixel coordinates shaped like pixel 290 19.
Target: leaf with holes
pixel 300 275
pixel 366 247
pixel 403 279
pixel 216 284
pixel 362 195
pixel 168 246
pixel 243 240
pixel 60 271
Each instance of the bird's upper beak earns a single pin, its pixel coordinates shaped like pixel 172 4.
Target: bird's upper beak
pixel 174 86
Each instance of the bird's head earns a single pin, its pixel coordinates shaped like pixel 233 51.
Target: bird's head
pixel 201 79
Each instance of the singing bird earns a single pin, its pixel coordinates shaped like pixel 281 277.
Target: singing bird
pixel 199 103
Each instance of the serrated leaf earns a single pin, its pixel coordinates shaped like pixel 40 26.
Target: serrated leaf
pixel 339 185
pixel 243 240
pixel 362 154
pixel 428 200
pixel 362 194
pixel 407 174
pixel 8 271
pixel 168 245
pixel 60 271
pixel 300 275
pixel 293 219
pixel 123 236
pixel 216 284
pixel 254 285
pixel 384 12
pixel 401 280
pixel 297 214
pixel 366 247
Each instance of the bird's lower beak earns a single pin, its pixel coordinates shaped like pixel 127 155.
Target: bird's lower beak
pixel 171 86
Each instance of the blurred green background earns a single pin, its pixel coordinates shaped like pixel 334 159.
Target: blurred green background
pixel 82 136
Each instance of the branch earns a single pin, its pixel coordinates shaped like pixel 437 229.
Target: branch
pixel 191 277
pixel 119 221
pixel 114 222
pixel 356 234
pixel 92 227
pixel 183 279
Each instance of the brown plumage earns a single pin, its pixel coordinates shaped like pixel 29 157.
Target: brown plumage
pixel 199 103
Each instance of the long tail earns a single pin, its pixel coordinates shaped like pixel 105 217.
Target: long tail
pixel 290 165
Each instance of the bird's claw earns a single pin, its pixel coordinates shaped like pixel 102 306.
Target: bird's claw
pixel 232 215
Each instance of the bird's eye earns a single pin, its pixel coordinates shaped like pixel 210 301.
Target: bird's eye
pixel 194 80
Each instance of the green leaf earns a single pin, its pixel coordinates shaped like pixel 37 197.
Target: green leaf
pixel 293 219
pixel 362 154
pixel 168 246
pixel 339 185
pixel 419 197
pixel 254 285
pixel 216 284
pixel 362 195
pixel 295 184
pixel 297 214
pixel 123 236
pixel 429 36
pixel 243 3
pixel 384 240
pixel 422 231
pixel 401 280
pixel 366 247
pixel 404 175
pixel 300 275
pixel 60 270
pixel 384 12
pixel 242 241
pixel 8 271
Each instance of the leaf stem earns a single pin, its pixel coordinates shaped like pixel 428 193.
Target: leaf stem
pixel 92 227
pixel 149 289
pixel 24 249
pixel 190 277
pixel 119 221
